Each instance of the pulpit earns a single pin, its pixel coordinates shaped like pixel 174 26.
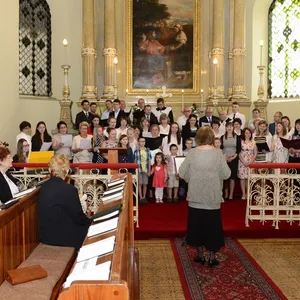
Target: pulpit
pixel 113 155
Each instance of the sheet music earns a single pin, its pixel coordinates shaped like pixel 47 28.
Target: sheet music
pixel 108 216
pixel 205 124
pixel 116 196
pixel 46 146
pixel 66 139
pixel 85 144
pixel 103 227
pixel 85 265
pixel 96 249
pixel 147 134
pixel 21 194
pixel 114 190
pixel 99 272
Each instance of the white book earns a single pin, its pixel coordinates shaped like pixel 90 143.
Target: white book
pixel 99 272
pixel 113 196
pixel 114 190
pixel 26 192
pixel 96 249
pixel 116 182
pixel 103 227
pixel 108 216
pixel 46 146
pixel 85 265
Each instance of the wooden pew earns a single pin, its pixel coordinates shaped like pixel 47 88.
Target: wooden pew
pixel 18 233
pixel 123 282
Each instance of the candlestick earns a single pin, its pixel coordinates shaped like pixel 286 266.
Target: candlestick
pixel 215 63
pixel 182 99
pixel 261 43
pixel 115 69
pixel 65 43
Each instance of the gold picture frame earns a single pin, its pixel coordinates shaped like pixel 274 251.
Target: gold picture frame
pixel 194 77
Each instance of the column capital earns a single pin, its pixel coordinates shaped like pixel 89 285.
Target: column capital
pixel 88 52
pixel 239 51
pixel 239 91
pixel 109 51
pixel 89 92
pixel 218 51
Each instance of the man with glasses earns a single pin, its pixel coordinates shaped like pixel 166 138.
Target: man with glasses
pixel 277 118
pixel 25 128
pixel 183 118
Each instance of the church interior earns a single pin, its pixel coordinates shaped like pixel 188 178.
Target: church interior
pixel 233 60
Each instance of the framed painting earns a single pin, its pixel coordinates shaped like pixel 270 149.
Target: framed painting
pixel 162 42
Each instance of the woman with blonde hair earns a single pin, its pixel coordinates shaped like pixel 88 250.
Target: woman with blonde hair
pixel 204 169
pixel 164 127
pixel 263 137
pixel 61 220
pixel 82 145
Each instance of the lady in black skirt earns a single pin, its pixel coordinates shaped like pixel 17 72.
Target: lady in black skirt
pixel 231 146
pixel 204 169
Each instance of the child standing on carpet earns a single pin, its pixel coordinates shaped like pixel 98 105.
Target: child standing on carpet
pixel 173 179
pixel 142 157
pixel 159 169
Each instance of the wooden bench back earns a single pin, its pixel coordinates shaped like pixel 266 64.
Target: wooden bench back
pixel 18 233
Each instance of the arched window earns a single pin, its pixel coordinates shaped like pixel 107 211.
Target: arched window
pixel 34 48
pixel 284 49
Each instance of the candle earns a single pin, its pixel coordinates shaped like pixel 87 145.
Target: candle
pixel 115 62
pixel 65 43
pixel 261 43
pixel 147 91
pixel 182 99
pixel 215 63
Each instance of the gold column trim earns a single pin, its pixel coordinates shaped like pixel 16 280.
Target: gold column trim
pixel 239 51
pixel 217 51
pixel 109 51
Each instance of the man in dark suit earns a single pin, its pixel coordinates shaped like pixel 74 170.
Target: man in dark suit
pixel 61 220
pixel 208 118
pixel 117 112
pixel 277 118
pixel 148 114
pixel 84 115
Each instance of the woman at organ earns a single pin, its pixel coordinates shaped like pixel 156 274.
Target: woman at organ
pixel 8 184
pixel 61 220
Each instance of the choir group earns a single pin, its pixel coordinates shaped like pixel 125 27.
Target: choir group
pixel 153 139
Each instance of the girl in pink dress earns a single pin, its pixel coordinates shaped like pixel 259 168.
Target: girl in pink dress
pixel 247 156
pixel 159 169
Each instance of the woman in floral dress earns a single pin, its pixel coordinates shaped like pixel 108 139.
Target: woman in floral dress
pixel 247 156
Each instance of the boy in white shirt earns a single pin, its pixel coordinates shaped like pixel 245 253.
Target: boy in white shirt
pixel 173 179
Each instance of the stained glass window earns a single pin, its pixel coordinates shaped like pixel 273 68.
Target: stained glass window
pixel 284 49
pixel 34 48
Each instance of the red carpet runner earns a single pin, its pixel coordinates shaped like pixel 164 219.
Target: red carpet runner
pixel 169 221
pixel 237 276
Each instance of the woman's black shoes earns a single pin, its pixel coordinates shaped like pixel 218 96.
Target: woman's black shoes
pixel 213 262
pixel 198 259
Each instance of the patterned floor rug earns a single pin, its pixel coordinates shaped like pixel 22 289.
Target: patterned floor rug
pixel 237 277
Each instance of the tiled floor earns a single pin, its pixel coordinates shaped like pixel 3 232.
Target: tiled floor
pixel 280 259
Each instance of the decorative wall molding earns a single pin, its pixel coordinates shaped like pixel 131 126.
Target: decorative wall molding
pixel 89 52
pixel 109 52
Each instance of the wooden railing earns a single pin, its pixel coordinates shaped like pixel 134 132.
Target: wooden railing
pixel 87 178
pixel 273 193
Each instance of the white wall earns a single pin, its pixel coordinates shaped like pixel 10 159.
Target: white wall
pixel 66 23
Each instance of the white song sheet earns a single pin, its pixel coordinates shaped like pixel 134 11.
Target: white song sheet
pixel 103 227
pixel 108 216
pixel 66 139
pixel 96 249
pixel 46 146
pixel 99 272
pixel 85 144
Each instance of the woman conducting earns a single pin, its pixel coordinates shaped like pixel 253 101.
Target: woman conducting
pixel 204 169
pixel 61 220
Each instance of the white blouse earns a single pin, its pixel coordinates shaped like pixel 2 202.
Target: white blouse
pixel 163 130
pixel 166 145
pixel 84 156
pixel 13 188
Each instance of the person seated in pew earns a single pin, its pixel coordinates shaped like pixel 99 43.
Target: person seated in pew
pixel 8 184
pixel 61 221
